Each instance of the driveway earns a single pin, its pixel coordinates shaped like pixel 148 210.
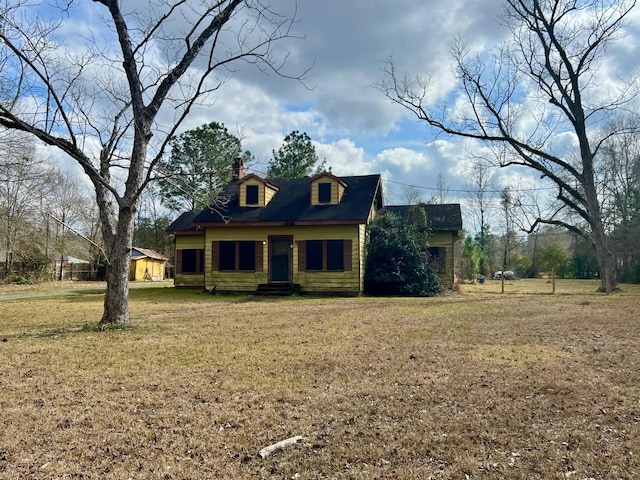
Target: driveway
pixel 61 289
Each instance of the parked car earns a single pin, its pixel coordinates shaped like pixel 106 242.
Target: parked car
pixel 508 275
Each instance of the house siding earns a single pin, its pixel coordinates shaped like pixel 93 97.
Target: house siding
pixel 348 281
pixel 446 240
pixel 188 242
pixel 362 253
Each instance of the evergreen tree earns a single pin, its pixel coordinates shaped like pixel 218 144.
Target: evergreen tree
pixel 199 166
pixel 471 254
pixel 296 158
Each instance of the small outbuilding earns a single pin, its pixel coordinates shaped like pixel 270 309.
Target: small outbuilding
pixel 72 268
pixel 147 264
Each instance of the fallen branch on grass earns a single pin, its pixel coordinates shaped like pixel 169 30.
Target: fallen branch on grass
pixel 266 451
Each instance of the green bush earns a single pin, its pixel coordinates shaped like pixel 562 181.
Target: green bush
pixel 397 261
pixel 20 280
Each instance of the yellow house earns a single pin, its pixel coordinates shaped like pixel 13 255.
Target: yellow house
pixel 305 235
pixel 146 264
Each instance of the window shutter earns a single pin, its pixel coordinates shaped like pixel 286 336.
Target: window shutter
pixel 302 256
pixel 178 261
pixel 348 255
pixel 259 255
pixel 215 256
pixel 199 261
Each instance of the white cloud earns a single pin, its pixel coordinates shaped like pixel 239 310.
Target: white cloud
pixel 404 160
pixel 344 158
pixel 353 125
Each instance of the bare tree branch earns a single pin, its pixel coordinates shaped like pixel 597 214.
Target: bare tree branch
pixel 103 106
pixel 556 48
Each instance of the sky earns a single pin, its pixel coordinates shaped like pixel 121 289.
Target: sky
pixel 353 126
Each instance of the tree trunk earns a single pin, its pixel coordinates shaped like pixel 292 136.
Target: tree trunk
pixel 606 262
pixel 116 300
pixel 599 238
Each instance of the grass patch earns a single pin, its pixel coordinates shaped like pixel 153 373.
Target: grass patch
pixel 476 385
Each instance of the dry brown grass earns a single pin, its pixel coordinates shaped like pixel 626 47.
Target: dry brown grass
pixel 472 385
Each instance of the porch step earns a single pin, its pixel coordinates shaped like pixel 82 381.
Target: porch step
pixel 278 289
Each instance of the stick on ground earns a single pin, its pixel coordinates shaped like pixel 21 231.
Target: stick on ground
pixel 266 451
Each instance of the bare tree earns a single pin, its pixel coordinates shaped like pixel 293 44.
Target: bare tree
pixel 65 200
pixel 619 165
pixel 529 204
pixel 509 235
pixel 112 98
pixel 555 50
pixel 412 195
pixel 481 187
pixel 22 176
pixel 442 191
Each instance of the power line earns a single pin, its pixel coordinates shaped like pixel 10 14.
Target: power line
pixel 516 190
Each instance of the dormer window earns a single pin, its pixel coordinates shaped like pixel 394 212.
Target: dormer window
pixel 253 191
pixel 252 194
pixel 324 192
pixel 326 189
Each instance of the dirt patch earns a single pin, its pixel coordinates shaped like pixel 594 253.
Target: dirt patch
pixel 60 331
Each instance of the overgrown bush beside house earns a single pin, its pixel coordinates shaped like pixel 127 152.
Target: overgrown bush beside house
pixel 397 261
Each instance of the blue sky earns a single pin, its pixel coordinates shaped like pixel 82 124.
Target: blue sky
pixel 354 127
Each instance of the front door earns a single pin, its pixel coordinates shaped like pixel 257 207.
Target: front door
pixel 280 259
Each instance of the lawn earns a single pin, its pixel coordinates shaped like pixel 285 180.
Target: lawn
pixel 478 384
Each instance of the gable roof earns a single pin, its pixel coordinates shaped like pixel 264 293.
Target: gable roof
pixel 291 204
pixel 328 175
pixel 184 223
pixel 440 217
pixel 253 176
pixel 137 253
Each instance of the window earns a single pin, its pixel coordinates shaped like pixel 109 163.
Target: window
pixel 438 259
pixel 324 255
pixel 324 192
pixel 227 255
pixel 246 257
pixel 314 254
pixel 235 256
pixel 252 194
pixel 190 261
pixel 335 255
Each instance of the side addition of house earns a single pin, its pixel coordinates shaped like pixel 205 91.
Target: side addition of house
pixel 444 223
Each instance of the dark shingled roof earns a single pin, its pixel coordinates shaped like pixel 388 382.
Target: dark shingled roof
pixel 184 223
pixel 291 204
pixel 441 217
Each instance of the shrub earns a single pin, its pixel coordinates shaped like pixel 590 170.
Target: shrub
pixel 397 261
pixel 20 280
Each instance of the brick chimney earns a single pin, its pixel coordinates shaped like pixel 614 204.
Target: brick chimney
pixel 238 169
